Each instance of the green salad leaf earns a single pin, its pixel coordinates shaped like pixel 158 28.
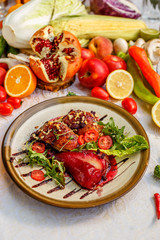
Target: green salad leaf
pixel 128 146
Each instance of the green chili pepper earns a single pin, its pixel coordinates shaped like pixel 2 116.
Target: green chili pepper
pixel 3 45
pixel 140 89
pixel 123 55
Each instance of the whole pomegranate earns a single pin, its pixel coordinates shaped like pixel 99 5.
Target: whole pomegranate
pixel 58 57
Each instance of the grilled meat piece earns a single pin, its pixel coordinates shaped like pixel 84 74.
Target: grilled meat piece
pixel 58 135
pixel 80 121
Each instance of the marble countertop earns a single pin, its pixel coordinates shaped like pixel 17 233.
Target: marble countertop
pixel 132 216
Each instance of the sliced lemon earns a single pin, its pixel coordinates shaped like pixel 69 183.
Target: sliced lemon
pixel 119 84
pixel 156 113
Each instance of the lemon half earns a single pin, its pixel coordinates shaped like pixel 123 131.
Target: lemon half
pixel 156 113
pixel 119 84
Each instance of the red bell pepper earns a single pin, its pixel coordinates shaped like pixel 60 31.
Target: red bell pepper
pixel 157 203
pixel 140 56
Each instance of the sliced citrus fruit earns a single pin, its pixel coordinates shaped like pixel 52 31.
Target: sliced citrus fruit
pixel 149 33
pixel 119 84
pixel 156 113
pixel 20 81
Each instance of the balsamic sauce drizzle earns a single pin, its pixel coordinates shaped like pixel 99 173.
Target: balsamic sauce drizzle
pixel 57 188
pixel 102 118
pixel 42 183
pixel 75 190
pixel 19 153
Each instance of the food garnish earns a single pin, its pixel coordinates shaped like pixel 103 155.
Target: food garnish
pixel 52 167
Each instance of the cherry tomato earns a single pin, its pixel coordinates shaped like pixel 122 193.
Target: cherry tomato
pixel 81 139
pixel 91 135
pixel 1 24
pixel 15 101
pixel 130 105
pixel 6 109
pixel 37 175
pixel 99 92
pixel 38 147
pixel 4 66
pixel 2 75
pixel 114 62
pixel 105 142
pixel 3 94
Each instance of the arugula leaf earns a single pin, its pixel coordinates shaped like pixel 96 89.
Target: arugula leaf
pixel 88 146
pixel 53 167
pixel 116 133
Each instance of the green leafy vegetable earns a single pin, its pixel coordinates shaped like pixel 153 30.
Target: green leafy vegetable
pixel 128 146
pixel 71 94
pixel 53 168
pixel 157 171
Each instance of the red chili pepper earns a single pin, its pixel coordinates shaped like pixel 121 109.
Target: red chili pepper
pixel 157 203
pixel 140 56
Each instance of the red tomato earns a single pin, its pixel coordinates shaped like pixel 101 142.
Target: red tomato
pixel 114 63
pixel 81 140
pixel 130 105
pixel 4 65
pixel 6 109
pixel 105 142
pixel 37 175
pixel 2 75
pixel 86 54
pixel 91 135
pixel 99 92
pixel 38 147
pixel 15 101
pixel 3 94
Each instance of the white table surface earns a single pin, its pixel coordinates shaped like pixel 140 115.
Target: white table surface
pixel 130 217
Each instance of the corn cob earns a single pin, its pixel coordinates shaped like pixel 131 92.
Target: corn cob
pixel 85 27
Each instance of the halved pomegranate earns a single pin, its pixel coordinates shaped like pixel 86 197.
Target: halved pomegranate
pixel 59 57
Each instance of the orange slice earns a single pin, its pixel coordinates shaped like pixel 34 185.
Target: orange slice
pixel 20 81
